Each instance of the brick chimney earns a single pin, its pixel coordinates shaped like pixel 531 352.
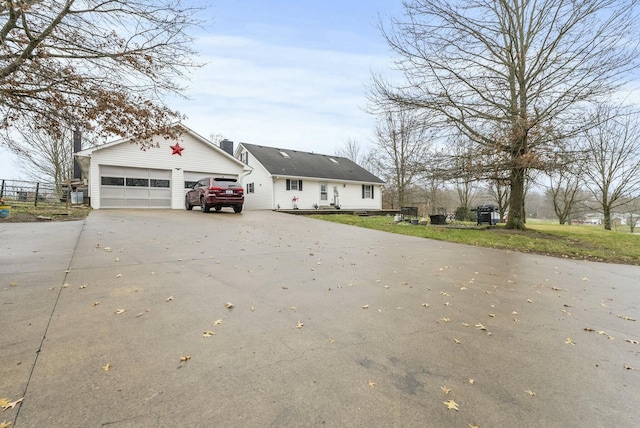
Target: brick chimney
pixel 227 146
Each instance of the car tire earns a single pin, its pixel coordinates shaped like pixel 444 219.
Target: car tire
pixel 187 205
pixel 204 207
pixel 237 209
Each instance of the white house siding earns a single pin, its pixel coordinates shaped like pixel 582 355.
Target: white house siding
pixel 349 195
pixel 196 156
pixel 262 196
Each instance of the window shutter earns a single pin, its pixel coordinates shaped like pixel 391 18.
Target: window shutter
pixel 363 191
pixel 288 184
pixel 300 185
pixel 372 187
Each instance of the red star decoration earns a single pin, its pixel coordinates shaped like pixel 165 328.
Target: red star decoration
pixel 176 150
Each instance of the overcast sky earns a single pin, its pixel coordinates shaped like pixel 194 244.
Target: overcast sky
pixel 289 74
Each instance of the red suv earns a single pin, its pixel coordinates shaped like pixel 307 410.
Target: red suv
pixel 215 192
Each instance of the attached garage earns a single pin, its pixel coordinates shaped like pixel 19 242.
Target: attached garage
pixel 120 175
pixel 122 187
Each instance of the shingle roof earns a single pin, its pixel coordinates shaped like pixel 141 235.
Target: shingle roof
pixel 310 165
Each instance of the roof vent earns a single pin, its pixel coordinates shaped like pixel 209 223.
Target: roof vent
pixel 334 161
pixel 285 154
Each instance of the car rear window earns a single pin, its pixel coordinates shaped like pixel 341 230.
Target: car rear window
pixel 226 182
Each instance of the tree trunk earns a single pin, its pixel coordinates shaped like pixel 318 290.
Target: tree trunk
pixel 607 217
pixel 516 200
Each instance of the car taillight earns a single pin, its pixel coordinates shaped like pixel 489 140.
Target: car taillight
pixel 215 189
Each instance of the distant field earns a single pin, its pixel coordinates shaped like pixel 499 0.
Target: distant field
pixel 581 242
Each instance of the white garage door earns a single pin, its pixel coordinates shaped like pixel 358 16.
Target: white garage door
pixel 123 187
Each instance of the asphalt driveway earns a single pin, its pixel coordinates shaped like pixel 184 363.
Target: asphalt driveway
pixel 121 321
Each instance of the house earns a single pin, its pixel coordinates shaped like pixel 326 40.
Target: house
pixel 121 175
pixel 291 179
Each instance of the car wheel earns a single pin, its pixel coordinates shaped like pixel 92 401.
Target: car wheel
pixel 237 208
pixel 218 208
pixel 204 206
pixel 187 205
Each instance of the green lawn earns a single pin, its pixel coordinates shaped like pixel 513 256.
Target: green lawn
pixel 583 242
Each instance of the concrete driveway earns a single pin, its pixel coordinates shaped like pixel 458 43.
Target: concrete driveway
pixel 120 321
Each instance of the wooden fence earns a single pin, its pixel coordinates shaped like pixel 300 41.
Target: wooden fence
pixel 17 192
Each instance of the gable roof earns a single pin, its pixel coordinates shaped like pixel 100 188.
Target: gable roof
pixel 295 163
pixel 185 129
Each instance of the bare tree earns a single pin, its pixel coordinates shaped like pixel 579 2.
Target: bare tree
pixel 509 75
pixel 613 168
pixel 351 150
pixel 498 189
pixel 565 190
pixel 465 180
pixel 100 66
pixel 632 208
pixel 402 142
pixel 43 157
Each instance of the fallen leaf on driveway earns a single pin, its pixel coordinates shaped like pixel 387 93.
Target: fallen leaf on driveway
pixel 208 334
pixel 12 404
pixel 168 299
pixel 472 381
pixel 120 311
pixel 95 303
pixel 119 275
pixel 106 367
pixel 531 393
pixel 445 390
pixel 300 324
pixel 217 322
pixel 634 342
pixel 480 327
pixel 5 424
pixel 365 307
pixel 426 305
pixel 629 367
pixel 624 317
pixel 229 305
pixel 568 341
pixel 451 405
pixel 185 358
pixel 371 383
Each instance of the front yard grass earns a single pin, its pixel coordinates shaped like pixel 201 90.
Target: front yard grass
pixel 580 242
pixel 45 211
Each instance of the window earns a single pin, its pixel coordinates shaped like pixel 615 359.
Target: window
pixel 250 187
pixel 294 185
pixel 112 181
pixel 367 191
pixel 189 184
pixel 323 192
pixel 159 183
pixel 137 182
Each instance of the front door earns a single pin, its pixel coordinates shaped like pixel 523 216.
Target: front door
pixel 324 196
